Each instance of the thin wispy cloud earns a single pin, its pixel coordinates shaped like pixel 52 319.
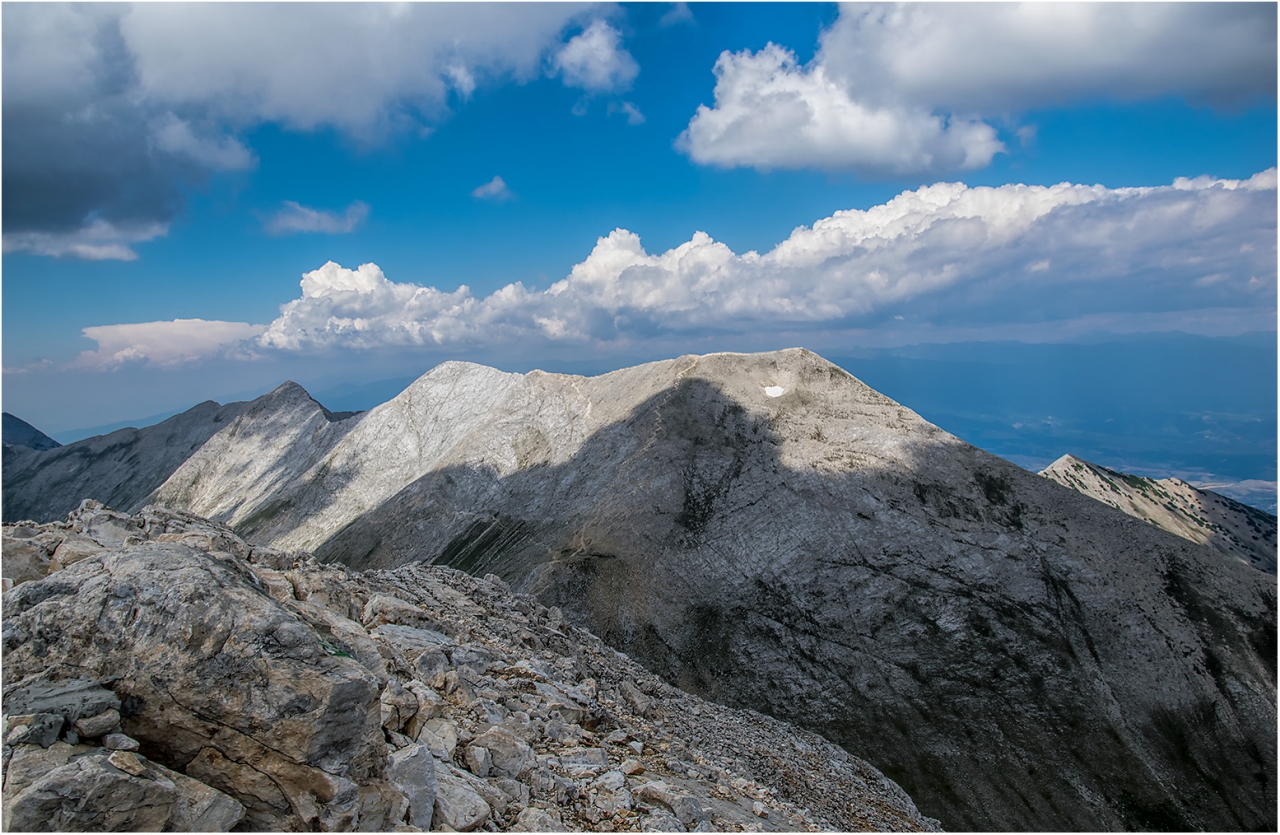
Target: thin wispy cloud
pixel 495 190
pixel 294 218
pixel 679 13
pixel 97 240
pixel 628 109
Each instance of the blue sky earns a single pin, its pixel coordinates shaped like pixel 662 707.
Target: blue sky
pixel 172 171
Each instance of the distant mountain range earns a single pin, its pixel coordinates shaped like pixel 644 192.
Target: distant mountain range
pixel 768 532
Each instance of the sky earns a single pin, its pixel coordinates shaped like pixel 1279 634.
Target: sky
pixel 202 200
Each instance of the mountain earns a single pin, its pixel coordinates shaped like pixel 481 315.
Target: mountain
pixel 120 469
pixel 17 432
pixel 356 701
pixel 1237 530
pixel 768 532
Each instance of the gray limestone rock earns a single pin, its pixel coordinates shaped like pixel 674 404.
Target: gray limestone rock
pixel 215 606
pixel 156 616
pixel 536 820
pixel 88 794
pixel 29 763
pixel 73 699
pixel 98 724
pixel 458 805
pixel 509 755
pixel 413 772
pixel 34 729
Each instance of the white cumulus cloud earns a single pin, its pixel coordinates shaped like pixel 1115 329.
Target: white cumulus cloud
pixel 595 60
pixel 1015 259
pixel 944 254
pixel 771 113
pixel 162 344
pixel 294 217
pixel 914 88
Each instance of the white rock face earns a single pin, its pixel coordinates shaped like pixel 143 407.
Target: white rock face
pixel 1237 530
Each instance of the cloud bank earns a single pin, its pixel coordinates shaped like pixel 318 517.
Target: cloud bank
pixel 913 88
pixel 944 256
pixel 163 344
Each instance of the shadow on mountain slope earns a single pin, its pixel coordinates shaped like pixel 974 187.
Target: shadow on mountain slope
pixel 1015 655
pixel 120 469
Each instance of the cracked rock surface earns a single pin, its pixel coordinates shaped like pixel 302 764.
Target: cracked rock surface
pixel 264 691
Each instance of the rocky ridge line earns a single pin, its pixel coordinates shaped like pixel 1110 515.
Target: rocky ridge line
pixel 165 673
pixel 1201 516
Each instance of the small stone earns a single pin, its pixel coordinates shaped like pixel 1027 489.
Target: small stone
pixel 536 820
pixel 478 760
pixel 119 742
pixel 630 767
pixel 127 762
pixel 688 810
pixel 99 724
pixel 636 746
pixel 757 809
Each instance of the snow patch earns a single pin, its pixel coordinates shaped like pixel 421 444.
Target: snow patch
pixel 773 391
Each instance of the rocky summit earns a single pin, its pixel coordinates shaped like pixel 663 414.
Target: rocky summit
pixel 766 532
pixel 1237 530
pixel 173 676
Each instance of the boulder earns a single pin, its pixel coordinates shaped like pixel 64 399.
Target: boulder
pixel 31 762
pixel 536 820
pixel 24 560
pixel 89 794
pixel 292 740
pixel 458 806
pixel 413 773
pixel 508 754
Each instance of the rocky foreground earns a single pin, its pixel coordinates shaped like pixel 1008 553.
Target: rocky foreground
pixel 160 672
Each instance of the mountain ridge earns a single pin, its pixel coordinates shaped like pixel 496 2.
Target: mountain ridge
pixel 1236 529
pixel 766 530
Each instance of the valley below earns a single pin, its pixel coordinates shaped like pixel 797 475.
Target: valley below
pixel 724 592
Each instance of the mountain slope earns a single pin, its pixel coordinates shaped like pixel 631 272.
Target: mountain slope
pixel 496 714
pixel 17 432
pixel 120 469
pixel 1015 654
pixel 1237 530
